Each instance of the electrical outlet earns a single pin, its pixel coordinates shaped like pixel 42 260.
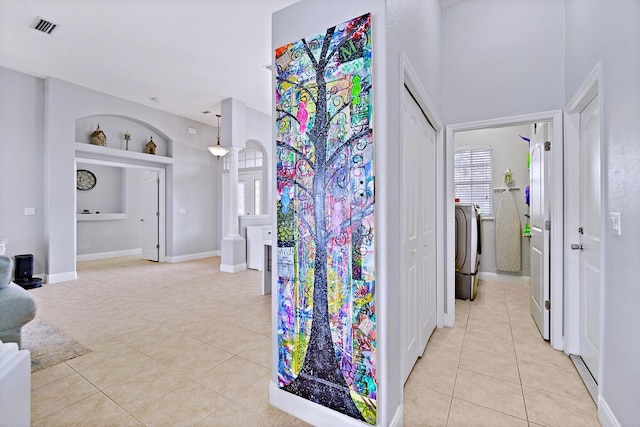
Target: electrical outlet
pixel 614 217
pixel 29 211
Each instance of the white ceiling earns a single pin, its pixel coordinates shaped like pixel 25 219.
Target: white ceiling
pixel 189 54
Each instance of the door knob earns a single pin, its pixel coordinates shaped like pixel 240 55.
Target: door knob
pixel 576 247
pixel 141 219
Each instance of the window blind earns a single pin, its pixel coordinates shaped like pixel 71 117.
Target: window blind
pixel 472 177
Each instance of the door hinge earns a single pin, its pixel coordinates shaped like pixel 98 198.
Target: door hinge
pixel 157 213
pixel 157 246
pixel 580 230
pixel 547 304
pixel 547 225
pixel 547 146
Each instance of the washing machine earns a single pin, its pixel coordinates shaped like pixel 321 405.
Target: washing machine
pixel 468 249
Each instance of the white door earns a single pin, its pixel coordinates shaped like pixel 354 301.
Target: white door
pixel 588 236
pixel 150 214
pixel 539 214
pixel 419 250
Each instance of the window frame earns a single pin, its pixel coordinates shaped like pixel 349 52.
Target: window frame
pixel 480 181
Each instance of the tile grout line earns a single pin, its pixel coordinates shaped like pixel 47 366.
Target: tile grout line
pixel 524 400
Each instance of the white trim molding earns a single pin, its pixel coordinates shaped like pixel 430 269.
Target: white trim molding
pixel 105 255
pixel 557 198
pixel 191 257
pixel 445 300
pixel 605 415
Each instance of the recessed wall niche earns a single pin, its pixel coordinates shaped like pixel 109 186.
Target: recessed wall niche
pixel 114 127
pixel 108 196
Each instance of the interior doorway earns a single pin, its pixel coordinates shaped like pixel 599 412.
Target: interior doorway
pixel 119 206
pixel 585 225
pixel 555 201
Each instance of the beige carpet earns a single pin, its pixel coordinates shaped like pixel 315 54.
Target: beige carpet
pixel 48 346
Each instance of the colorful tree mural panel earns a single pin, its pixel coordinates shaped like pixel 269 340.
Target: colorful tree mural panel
pixel 325 220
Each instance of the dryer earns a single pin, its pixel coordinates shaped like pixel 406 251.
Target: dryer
pixel 468 249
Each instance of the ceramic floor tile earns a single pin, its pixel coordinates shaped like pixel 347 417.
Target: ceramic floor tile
pixel 129 421
pixel 196 360
pixel 490 343
pixel 490 392
pixel 97 408
pixel 489 326
pixel 443 353
pixel 491 364
pixel 236 341
pixel 116 369
pixel 256 399
pixel 232 414
pixel 186 405
pixel 59 394
pixel 49 375
pixel 428 375
pixel 259 352
pixel 453 336
pixel 553 410
pixel 232 376
pixel 466 414
pixel 143 388
pixel 428 408
pixel 559 381
pixel 544 354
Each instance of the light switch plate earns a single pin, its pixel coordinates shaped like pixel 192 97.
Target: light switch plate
pixel 29 211
pixel 614 217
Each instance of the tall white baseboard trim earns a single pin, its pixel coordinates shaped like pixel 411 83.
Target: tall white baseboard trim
pixel 606 417
pixel 191 257
pixel 233 268
pixel 105 255
pixel 397 420
pixel 505 278
pixel 61 277
pixel 308 411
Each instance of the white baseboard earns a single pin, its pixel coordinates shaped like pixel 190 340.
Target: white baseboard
pixel 605 416
pixel 191 257
pixel 60 277
pixel 505 278
pixel 105 255
pixel 397 420
pixel 308 411
pixel 233 268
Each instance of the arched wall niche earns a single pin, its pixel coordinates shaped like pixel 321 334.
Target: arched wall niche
pixel 114 126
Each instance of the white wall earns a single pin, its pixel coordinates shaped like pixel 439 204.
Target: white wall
pixel 502 58
pixel 22 165
pixel 609 33
pixel 118 190
pixel 410 27
pixel 509 151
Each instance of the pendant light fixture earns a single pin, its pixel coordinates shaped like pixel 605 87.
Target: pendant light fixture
pixel 218 150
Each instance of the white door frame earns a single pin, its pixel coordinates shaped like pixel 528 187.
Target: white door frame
pixel 444 304
pixel 162 196
pixel 557 194
pixel 591 87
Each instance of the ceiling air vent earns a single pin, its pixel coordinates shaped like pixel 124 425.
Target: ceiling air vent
pixel 43 25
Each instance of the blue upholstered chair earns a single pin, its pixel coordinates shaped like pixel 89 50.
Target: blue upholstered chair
pixel 17 306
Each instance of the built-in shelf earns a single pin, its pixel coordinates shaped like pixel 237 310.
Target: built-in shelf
pixel 97 152
pixel 101 217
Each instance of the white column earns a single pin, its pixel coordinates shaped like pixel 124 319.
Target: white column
pixel 232 212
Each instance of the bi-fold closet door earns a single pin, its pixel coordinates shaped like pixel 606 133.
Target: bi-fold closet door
pixel 419 231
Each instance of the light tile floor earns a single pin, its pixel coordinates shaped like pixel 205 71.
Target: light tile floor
pixel 185 344
pixel 494 369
